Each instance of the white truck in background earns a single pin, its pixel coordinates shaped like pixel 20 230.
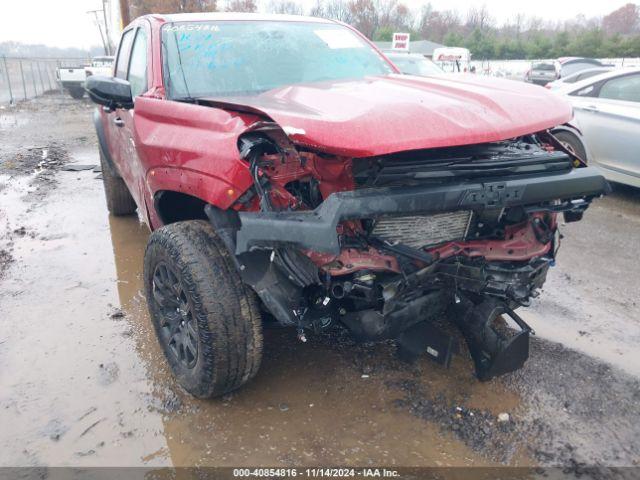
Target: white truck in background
pixel 100 66
pixel 72 78
pixel 453 59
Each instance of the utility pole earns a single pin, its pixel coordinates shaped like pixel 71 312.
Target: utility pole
pixel 125 14
pixel 105 6
pixel 104 42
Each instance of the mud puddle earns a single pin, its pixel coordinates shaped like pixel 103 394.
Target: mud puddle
pixel 71 391
pixel 85 383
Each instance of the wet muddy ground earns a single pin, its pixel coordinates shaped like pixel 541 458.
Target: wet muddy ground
pixel 83 381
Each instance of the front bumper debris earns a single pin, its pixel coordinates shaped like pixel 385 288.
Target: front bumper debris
pixel 316 229
pixel 494 349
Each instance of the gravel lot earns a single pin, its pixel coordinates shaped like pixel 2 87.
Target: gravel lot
pixel 83 382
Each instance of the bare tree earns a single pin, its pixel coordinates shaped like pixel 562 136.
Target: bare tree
pixel 317 10
pixel 241 6
pixel 625 20
pixel 478 18
pixel 143 7
pixel 285 6
pixel 364 16
pixel 394 15
pixel 435 25
pixel 334 9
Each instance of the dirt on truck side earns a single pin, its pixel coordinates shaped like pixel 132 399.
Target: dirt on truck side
pixel 84 382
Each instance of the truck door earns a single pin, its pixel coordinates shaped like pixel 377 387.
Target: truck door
pixel 138 79
pixel 112 118
pixel 131 65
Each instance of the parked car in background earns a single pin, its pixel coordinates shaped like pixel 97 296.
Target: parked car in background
pixel 605 130
pixel 414 64
pixel 303 180
pixel 570 65
pixel 576 77
pixel 542 73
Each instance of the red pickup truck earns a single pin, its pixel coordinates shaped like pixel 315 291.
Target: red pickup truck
pixel 289 173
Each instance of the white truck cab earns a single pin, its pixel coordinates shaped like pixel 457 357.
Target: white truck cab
pixel 72 78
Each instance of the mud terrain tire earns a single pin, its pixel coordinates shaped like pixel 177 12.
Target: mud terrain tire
pixel 76 93
pixel 226 344
pixel 119 200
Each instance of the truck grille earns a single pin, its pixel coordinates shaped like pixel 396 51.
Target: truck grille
pixel 452 164
pixel 424 231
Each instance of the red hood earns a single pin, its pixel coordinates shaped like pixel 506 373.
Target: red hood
pixel 381 115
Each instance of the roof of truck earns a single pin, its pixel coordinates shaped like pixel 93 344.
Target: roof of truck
pixel 212 16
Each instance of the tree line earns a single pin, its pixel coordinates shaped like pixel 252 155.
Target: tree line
pixel 614 35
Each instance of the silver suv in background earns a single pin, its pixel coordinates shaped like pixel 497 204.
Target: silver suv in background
pixel 542 73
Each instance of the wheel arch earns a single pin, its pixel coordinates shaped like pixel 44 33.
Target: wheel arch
pixel 174 206
pixel 576 132
pixel 179 194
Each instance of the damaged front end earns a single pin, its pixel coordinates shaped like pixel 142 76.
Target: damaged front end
pixel 392 245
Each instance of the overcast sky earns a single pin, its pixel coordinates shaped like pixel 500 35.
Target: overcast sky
pixel 65 23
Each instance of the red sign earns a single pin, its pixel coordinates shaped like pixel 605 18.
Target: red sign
pixel 401 41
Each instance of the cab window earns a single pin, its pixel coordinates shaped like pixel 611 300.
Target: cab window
pixel 137 76
pixel 123 54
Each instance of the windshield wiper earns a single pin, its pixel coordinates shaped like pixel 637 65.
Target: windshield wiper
pixel 185 99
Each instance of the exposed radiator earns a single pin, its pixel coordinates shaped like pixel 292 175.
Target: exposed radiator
pixel 422 231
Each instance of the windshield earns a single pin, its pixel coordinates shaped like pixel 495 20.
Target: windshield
pixel 414 65
pixel 238 58
pixel 544 66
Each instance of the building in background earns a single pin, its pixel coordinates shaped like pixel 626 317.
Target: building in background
pixel 423 47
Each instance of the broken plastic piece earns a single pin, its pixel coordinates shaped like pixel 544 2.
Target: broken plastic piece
pixel 495 349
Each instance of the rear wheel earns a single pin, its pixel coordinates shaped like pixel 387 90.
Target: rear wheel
pixel 572 143
pixel 119 200
pixel 76 93
pixel 206 320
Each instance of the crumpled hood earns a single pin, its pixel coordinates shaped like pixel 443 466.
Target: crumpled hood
pixel 381 115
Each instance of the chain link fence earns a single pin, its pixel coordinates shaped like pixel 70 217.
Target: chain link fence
pixel 24 78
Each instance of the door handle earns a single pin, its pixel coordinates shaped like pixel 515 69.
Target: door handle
pixel 118 122
pixel 591 108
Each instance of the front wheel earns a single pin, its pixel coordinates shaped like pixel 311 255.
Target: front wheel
pixel 206 320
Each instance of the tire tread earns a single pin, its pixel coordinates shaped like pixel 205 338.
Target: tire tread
pixel 119 199
pixel 228 318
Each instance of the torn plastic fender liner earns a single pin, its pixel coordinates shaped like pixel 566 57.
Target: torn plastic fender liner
pixel 492 352
pixel 277 276
pixel 316 229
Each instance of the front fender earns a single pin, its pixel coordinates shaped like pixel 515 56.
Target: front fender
pixel 209 188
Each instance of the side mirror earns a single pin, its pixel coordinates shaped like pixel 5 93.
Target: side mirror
pixel 109 91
